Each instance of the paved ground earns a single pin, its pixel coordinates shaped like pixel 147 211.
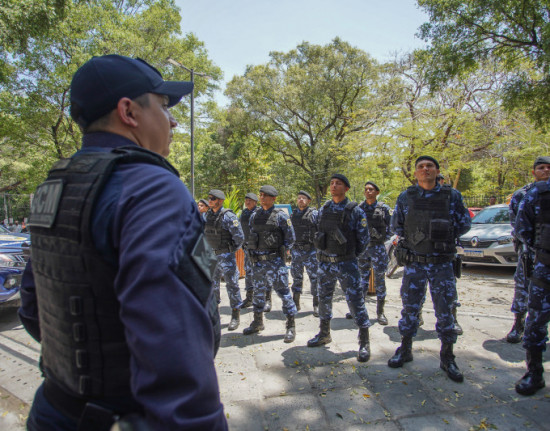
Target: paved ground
pixel 269 385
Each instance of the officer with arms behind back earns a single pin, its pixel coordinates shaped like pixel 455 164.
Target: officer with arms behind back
pixel 428 218
pixel 541 172
pixel 225 235
pixel 250 201
pixel 342 236
pixel 118 286
pixel 271 233
pixel 304 221
pixel 533 229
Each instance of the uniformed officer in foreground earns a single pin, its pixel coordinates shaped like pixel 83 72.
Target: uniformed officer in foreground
pixel 304 221
pixel 250 201
pixel 375 257
pixel 225 235
pixel 116 289
pixel 428 218
pixel 533 229
pixel 271 234
pixel 541 172
pixel 342 236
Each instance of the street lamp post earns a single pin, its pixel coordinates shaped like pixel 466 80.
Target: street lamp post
pixel 192 112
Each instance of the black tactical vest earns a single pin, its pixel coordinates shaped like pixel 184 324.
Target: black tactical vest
pixel 84 348
pixel 542 229
pixel 330 223
pixel 303 226
pixel 428 223
pixel 270 235
pixel 376 222
pixel 219 239
pixel 245 218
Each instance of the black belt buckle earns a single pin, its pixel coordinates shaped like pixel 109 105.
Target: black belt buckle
pixel 96 418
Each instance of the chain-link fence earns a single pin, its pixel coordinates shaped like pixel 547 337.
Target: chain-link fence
pixel 14 208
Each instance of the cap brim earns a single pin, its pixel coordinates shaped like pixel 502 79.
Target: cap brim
pixel 175 90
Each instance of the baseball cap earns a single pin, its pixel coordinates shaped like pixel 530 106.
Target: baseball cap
pixel 102 81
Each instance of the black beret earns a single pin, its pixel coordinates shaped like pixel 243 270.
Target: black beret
pixel 374 185
pixel 306 194
pixel 218 194
pixel 430 158
pixel 204 201
pixel 543 160
pixel 341 178
pixel 269 190
pixel 252 196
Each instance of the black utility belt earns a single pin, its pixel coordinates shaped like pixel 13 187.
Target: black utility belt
pixel 223 250
pixel 411 258
pixel 263 257
pixel 303 247
pixel 334 259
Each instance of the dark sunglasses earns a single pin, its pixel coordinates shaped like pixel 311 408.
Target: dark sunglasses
pixel 212 198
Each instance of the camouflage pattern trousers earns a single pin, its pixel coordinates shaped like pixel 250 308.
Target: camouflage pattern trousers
pixel 442 282
pixel 374 257
pixel 347 273
pixel 536 327
pixel 301 259
pixel 521 288
pixel 248 285
pixel 272 274
pixel 227 266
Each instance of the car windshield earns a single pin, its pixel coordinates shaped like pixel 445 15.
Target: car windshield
pixel 492 216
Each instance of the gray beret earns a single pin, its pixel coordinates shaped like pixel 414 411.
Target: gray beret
pixel 430 158
pixel 306 194
pixel 269 190
pixel 543 160
pixel 204 201
pixel 252 196
pixel 374 185
pixel 341 178
pixel 218 194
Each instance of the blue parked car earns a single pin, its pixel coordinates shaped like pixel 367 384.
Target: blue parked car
pixel 14 252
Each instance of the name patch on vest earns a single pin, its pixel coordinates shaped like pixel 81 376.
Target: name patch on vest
pixel 45 203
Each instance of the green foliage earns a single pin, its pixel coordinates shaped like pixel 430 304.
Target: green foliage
pixel 234 202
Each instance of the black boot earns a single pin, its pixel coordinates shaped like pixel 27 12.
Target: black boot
pixel 248 300
pixel 316 306
pixel 515 335
pixel 364 345
pixel 448 363
pixel 532 381
pixel 402 354
pixel 267 306
pixel 458 328
pixel 296 299
pixel 234 324
pixel 290 335
pixel 257 324
pixel 323 337
pixel 380 312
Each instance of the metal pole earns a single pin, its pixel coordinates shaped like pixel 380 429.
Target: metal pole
pixel 193 135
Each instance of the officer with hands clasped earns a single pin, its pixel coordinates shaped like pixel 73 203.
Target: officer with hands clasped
pixel 375 257
pixel 541 172
pixel 304 221
pixel 225 235
pixel 342 236
pixel 533 229
pixel 250 201
pixel 428 218
pixel 118 287
pixel 271 234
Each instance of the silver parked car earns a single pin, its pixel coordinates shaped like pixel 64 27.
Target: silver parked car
pixel 489 241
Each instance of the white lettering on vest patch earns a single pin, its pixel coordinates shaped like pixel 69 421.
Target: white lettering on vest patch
pixel 45 203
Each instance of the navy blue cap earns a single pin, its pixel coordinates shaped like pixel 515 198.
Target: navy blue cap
pixel 543 160
pixel 101 82
pixel 341 178
pixel 430 158
pixel 306 194
pixel 252 196
pixel 269 190
pixel 374 185
pixel 218 194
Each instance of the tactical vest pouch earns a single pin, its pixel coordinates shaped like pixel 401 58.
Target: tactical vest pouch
pixel 320 240
pixel 543 238
pixel 339 237
pixel 457 266
pixel 271 240
pixel 401 254
pixel 542 257
pixel 440 230
pixel 253 240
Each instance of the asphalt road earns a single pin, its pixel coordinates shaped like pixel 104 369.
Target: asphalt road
pixel 266 384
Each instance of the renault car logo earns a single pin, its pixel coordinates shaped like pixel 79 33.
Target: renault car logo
pixel 474 241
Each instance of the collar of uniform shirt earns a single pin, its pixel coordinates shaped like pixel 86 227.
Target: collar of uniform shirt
pixel 105 140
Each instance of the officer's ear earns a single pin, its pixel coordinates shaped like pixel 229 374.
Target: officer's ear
pixel 126 112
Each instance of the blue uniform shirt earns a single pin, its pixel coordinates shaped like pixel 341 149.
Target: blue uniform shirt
pixel 513 208
pixel 142 215
pixel 357 223
pixel 459 214
pixel 284 223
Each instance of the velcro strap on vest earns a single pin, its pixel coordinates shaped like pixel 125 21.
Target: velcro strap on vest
pixel 334 259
